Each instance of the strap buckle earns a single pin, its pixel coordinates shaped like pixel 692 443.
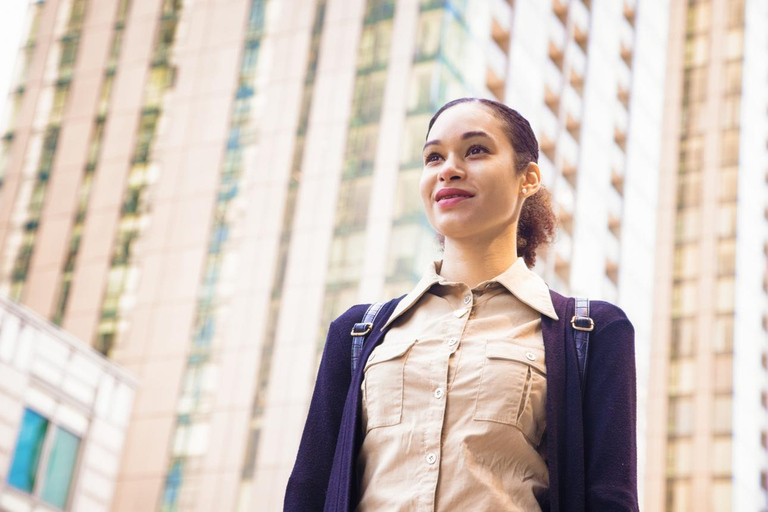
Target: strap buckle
pixel 582 323
pixel 365 326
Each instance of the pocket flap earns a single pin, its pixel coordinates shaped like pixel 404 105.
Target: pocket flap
pixel 387 352
pixel 505 349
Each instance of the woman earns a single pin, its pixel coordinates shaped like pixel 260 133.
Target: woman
pixel 467 395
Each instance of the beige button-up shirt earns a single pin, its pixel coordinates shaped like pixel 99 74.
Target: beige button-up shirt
pixel 454 398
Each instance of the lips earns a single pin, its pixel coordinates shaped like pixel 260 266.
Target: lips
pixel 448 193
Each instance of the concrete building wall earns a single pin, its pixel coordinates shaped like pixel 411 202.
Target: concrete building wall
pixel 75 388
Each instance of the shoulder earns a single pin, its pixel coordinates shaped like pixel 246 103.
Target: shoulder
pixel 614 334
pixel 606 314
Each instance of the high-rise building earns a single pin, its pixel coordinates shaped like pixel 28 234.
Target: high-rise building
pixel 198 188
pixel 708 405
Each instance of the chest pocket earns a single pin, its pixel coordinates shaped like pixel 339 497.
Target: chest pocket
pixel 512 388
pixel 383 385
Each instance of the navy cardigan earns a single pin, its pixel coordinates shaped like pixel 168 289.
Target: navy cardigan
pixel 591 447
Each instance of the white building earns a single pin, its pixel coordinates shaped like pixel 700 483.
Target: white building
pixel 64 410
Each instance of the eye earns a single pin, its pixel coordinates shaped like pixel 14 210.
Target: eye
pixel 432 157
pixel 477 149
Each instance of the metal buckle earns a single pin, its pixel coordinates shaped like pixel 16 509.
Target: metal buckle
pixel 368 327
pixel 581 328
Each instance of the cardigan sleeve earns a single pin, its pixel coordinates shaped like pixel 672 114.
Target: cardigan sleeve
pixel 308 483
pixel 610 418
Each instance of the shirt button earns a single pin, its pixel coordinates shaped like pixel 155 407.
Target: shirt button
pixel 431 458
pixel 452 341
pixel 439 393
pixel 531 356
pixel 467 299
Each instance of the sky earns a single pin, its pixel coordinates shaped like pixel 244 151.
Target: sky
pixel 11 23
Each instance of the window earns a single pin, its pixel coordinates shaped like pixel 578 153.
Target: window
pixel 682 376
pixel 428 38
pixel 692 152
pixel 723 373
pixel 730 121
pixel 684 298
pixel 721 494
pixel 29 447
pixel 696 83
pixel 686 264
pixel 697 50
pixel 687 228
pixel 689 191
pixel 680 416
pixel 61 467
pixel 375 43
pixel 369 95
pixel 679 457
pixel 722 342
pixel 722 421
pixel 734 44
pixel 726 256
pixel 726 220
pixel 679 496
pixel 725 294
pixel 736 13
pixel 721 456
pixel 683 337
pixel 52 484
pixel 733 77
pixel 699 17
pixel 729 182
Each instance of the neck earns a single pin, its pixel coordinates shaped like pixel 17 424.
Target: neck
pixel 472 261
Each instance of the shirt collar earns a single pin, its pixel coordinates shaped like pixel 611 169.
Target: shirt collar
pixel 521 282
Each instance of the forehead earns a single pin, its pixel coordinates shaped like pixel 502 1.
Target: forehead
pixel 466 117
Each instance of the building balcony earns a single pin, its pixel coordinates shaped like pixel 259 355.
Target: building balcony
pixel 497 60
pixel 580 19
pixel 553 76
pixel 564 193
pixel 549 124
pixel 568 147
pixel 501 14
pixel 576 58
pixel 630 11
pixel 560 10
pixel 552 100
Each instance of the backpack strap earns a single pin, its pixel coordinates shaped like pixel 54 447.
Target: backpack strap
pixel 582 325
pixel 360 332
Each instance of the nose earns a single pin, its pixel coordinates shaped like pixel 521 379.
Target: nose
pixel 450 171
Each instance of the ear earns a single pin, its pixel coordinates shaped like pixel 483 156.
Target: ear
pixel 531 179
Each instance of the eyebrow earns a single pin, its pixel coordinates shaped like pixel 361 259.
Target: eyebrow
pixel 465 136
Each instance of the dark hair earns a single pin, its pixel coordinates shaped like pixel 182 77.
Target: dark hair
pixel 538 222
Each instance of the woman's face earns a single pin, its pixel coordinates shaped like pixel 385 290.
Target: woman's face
pixel 467 150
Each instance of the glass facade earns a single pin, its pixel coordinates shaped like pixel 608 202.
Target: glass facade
pixel 42 147
pixel 268 344
pixel 688 354
pixel 347 246
pixel 94 151
pixel 135 215
pixel 190 437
